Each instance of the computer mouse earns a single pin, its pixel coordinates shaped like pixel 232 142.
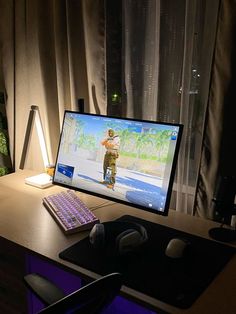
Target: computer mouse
pixel 176 248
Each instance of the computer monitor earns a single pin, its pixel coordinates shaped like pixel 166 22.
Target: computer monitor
pixel 125 160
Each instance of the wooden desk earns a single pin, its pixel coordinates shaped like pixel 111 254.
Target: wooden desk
pixel 25 222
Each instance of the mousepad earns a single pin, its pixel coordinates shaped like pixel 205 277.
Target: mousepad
pixel 178 282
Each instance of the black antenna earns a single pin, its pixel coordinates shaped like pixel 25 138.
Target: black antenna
pixel 81 105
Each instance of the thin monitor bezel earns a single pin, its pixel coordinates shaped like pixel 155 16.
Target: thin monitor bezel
pixel 172 172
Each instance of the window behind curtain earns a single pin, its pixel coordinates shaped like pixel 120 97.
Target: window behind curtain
pixel 159 55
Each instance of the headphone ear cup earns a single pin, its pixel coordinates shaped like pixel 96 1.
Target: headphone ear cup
pixel 119 236
pixel 128 240
pixel 97 236
pixel 144 234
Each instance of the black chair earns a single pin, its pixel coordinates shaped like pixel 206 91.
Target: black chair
pixel 91 298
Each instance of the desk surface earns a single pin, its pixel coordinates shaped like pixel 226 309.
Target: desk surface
pixel 25 221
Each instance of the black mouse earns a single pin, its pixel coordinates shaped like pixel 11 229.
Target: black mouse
pixel 176 248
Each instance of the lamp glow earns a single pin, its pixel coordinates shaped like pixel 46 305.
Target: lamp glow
pixel 42 180
pixel 41 137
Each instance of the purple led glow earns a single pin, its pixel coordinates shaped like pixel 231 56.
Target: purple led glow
pixel 68 283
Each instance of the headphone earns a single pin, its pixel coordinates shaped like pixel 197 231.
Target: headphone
pixel 119 237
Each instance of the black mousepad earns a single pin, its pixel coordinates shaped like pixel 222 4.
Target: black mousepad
pixel 177 282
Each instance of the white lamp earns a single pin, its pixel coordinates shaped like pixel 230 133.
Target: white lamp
pixel 42 180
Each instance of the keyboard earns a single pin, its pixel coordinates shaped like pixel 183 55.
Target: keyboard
pixel 70 212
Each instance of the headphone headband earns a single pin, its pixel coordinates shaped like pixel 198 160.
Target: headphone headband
pixel 124 235
pixel 115 227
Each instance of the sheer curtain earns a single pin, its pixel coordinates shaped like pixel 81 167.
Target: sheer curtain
pixel 52 54
pixel 167 53
pixel 141 36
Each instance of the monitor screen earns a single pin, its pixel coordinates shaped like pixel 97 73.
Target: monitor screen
pixel 124 160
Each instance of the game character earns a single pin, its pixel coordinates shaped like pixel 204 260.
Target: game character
pixel 112 145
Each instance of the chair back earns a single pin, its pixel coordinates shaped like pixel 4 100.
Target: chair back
pixel 91 298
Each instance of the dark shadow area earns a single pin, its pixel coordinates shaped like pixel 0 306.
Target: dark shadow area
pixel 95 102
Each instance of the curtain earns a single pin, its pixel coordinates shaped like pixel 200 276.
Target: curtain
pixel 54 52
pixel 141 32
pixel 167 53
pixel 218 149
pixel 51 57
